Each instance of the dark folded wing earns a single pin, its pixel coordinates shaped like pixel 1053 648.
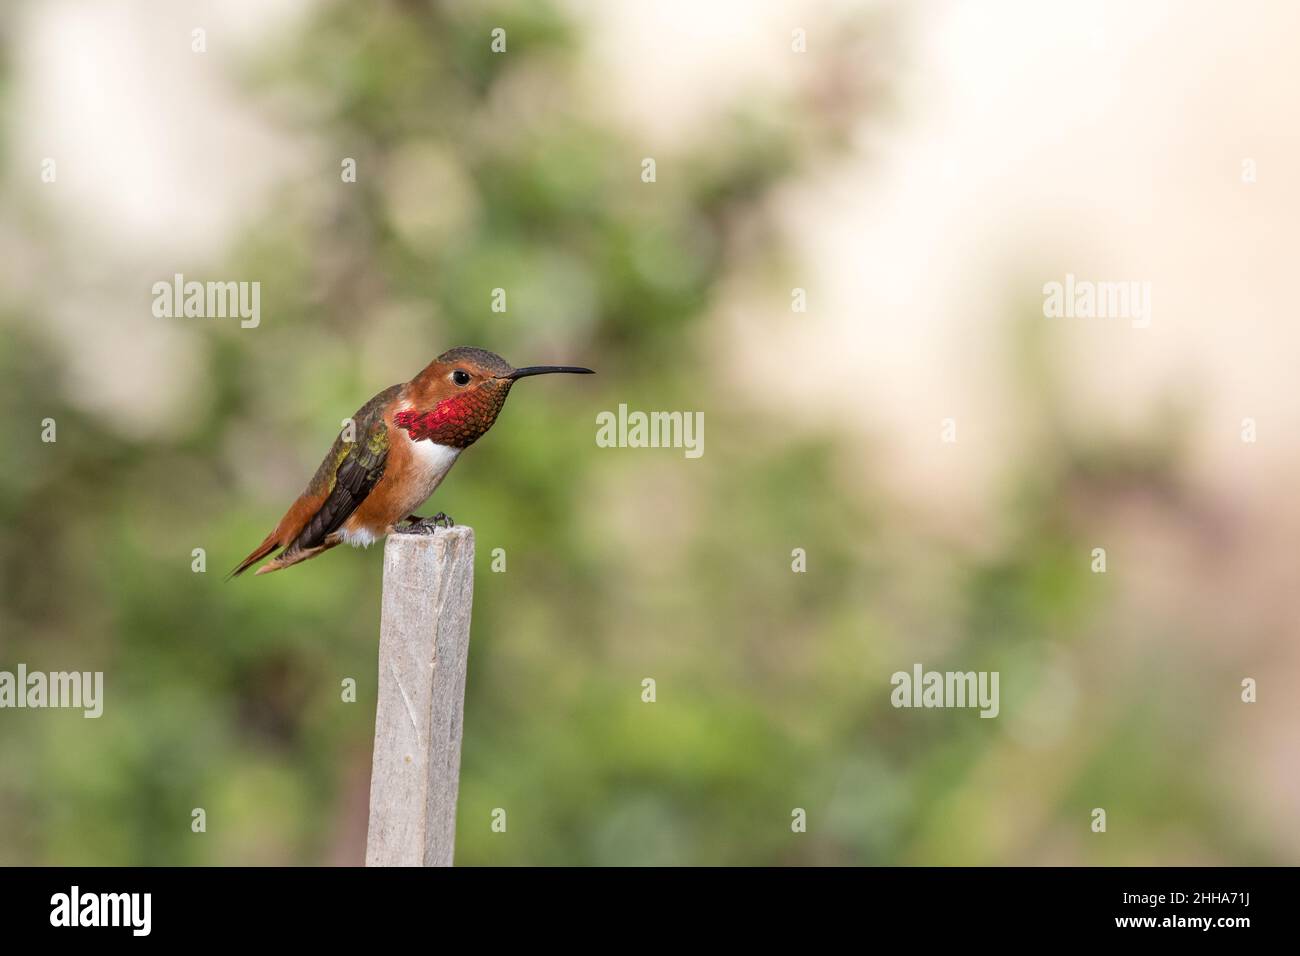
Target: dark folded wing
pixel 349 472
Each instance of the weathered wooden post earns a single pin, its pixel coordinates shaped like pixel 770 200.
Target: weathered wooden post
pixel 423 647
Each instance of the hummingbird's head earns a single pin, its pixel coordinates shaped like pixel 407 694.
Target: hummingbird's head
pixel 458 396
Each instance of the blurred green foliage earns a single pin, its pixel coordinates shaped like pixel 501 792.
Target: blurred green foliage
pixel 478 171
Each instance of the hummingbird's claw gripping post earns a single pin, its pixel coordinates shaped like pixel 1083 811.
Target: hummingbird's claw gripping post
pixel 418 525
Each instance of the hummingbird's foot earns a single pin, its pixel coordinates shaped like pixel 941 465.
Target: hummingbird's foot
pixel 418 525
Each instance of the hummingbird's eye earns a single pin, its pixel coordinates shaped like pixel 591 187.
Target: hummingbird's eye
pixel 460 377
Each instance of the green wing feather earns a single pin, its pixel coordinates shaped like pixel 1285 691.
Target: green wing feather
pixel 349 471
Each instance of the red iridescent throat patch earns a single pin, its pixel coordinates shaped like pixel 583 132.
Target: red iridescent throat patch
pixel 457 422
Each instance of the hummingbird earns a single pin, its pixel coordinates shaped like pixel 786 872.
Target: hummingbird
pixel 403 443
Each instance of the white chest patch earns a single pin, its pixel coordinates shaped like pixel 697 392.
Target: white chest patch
pixel 431 463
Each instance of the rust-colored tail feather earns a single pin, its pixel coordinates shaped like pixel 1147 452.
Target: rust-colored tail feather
pixel 286 558
pixel 268 545
pixel 286 533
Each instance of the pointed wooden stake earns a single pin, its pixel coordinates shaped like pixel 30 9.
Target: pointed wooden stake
pixel 423 648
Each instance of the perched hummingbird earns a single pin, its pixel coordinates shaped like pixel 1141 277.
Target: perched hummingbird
pixel 405 441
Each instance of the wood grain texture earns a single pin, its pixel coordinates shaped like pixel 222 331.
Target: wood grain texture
pixel 423 648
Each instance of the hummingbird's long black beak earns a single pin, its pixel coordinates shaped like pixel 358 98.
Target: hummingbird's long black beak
pixel 547 370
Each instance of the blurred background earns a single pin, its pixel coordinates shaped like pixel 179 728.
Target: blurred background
pixel 920 170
